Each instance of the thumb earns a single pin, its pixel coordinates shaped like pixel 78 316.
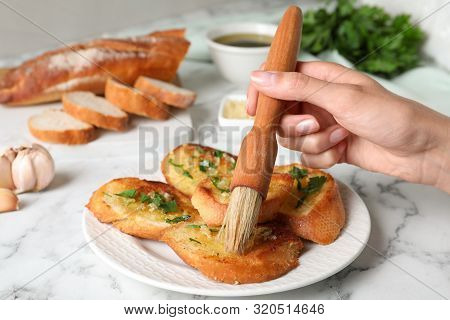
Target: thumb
pixel 294 86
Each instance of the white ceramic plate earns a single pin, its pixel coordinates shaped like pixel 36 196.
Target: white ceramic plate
pixel 156 264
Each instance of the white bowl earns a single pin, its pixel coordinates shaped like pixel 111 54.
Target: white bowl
pixel 242 124
pixel 236 63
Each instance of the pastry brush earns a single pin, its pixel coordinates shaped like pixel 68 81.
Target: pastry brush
pixel 259 148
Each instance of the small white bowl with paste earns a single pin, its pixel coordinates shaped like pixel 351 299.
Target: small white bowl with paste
pixel 232 112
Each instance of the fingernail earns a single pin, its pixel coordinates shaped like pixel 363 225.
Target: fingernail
pixel 306 126
pixel 338 135
pixel 263 78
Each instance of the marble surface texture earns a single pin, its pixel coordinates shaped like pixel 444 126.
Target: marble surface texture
pixel 43 254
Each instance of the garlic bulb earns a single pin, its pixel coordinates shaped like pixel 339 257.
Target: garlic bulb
pixel 8 200
pixel 6 180
pixel 32 169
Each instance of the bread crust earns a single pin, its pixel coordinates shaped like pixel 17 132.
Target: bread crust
pixel 132 101
pixel 266 260
pixel 180 182
pixel 157 55
pixel 322 215
pixel 212 207
pixel 133 223
pixel 95 118
pixel 175 99
pixel 70 137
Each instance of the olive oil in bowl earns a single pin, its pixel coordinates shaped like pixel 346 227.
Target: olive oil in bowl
pixel 245 40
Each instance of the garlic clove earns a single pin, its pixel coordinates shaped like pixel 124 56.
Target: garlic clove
pixel 44 166
pixel 10 154
pixel 8 200
pixel 6 180
pixel 23 171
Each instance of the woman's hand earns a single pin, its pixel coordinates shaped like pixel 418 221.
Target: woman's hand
pixel 341 115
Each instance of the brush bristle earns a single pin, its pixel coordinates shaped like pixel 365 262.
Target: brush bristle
pixel 240 220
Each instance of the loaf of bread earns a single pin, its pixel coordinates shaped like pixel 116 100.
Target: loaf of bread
pixel 87 66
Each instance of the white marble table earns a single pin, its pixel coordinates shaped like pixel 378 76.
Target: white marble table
pixel 43 254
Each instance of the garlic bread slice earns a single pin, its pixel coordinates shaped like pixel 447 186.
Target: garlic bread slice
pixel 189 164
pixel 141 208
pixel 212 196
pixel 314 208
pixel 273 252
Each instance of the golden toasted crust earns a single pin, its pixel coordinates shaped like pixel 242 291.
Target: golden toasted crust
pixel 71 137
pixel 190 155
pixel 132 101
pixel 133 221
pixel 321 216
pixel 156 55
pixel 3 72
pixel 176 99
pixel 270 256
pixel 95 118
pixel 212 204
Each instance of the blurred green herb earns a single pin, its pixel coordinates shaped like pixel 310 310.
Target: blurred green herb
pixel 179 165
pixel 127 193
pixel 158 200
pixel 218 153
pixel 298 174
pixel 187 174
pixel 178 219
pixel 314 185
pixel 194 226
pixel 204 165
pixel 194 240
pixel 367 36
pixel 216 182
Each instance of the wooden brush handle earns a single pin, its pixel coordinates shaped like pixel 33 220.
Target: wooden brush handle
pixel 259 149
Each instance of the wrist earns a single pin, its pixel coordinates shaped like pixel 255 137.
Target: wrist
pixel 438 161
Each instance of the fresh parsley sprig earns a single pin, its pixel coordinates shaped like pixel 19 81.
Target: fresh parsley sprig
pixel 158 200
pixel 218 153
pixel 127 193
pixel 205 164
pixel 179 165
pixel 367 36
pixel 178 219
pixel 215 181
pixel 314 185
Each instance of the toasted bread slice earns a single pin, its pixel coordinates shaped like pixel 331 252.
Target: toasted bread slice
pixel 141 208
pixel 274 252
pixel 131 100
pixel 98 111
pixel 189 164
pixel 165 92
pixel 56 126
pixel 212 195
pixel 314 210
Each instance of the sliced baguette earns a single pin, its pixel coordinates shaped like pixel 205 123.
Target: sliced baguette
pixel 165 92
pixel 274 252
pixel 131 215
pixel 181 166
pixel 131 100
pixel 320 215
pixel 211 198
pixel 98 111
pixel 56 126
